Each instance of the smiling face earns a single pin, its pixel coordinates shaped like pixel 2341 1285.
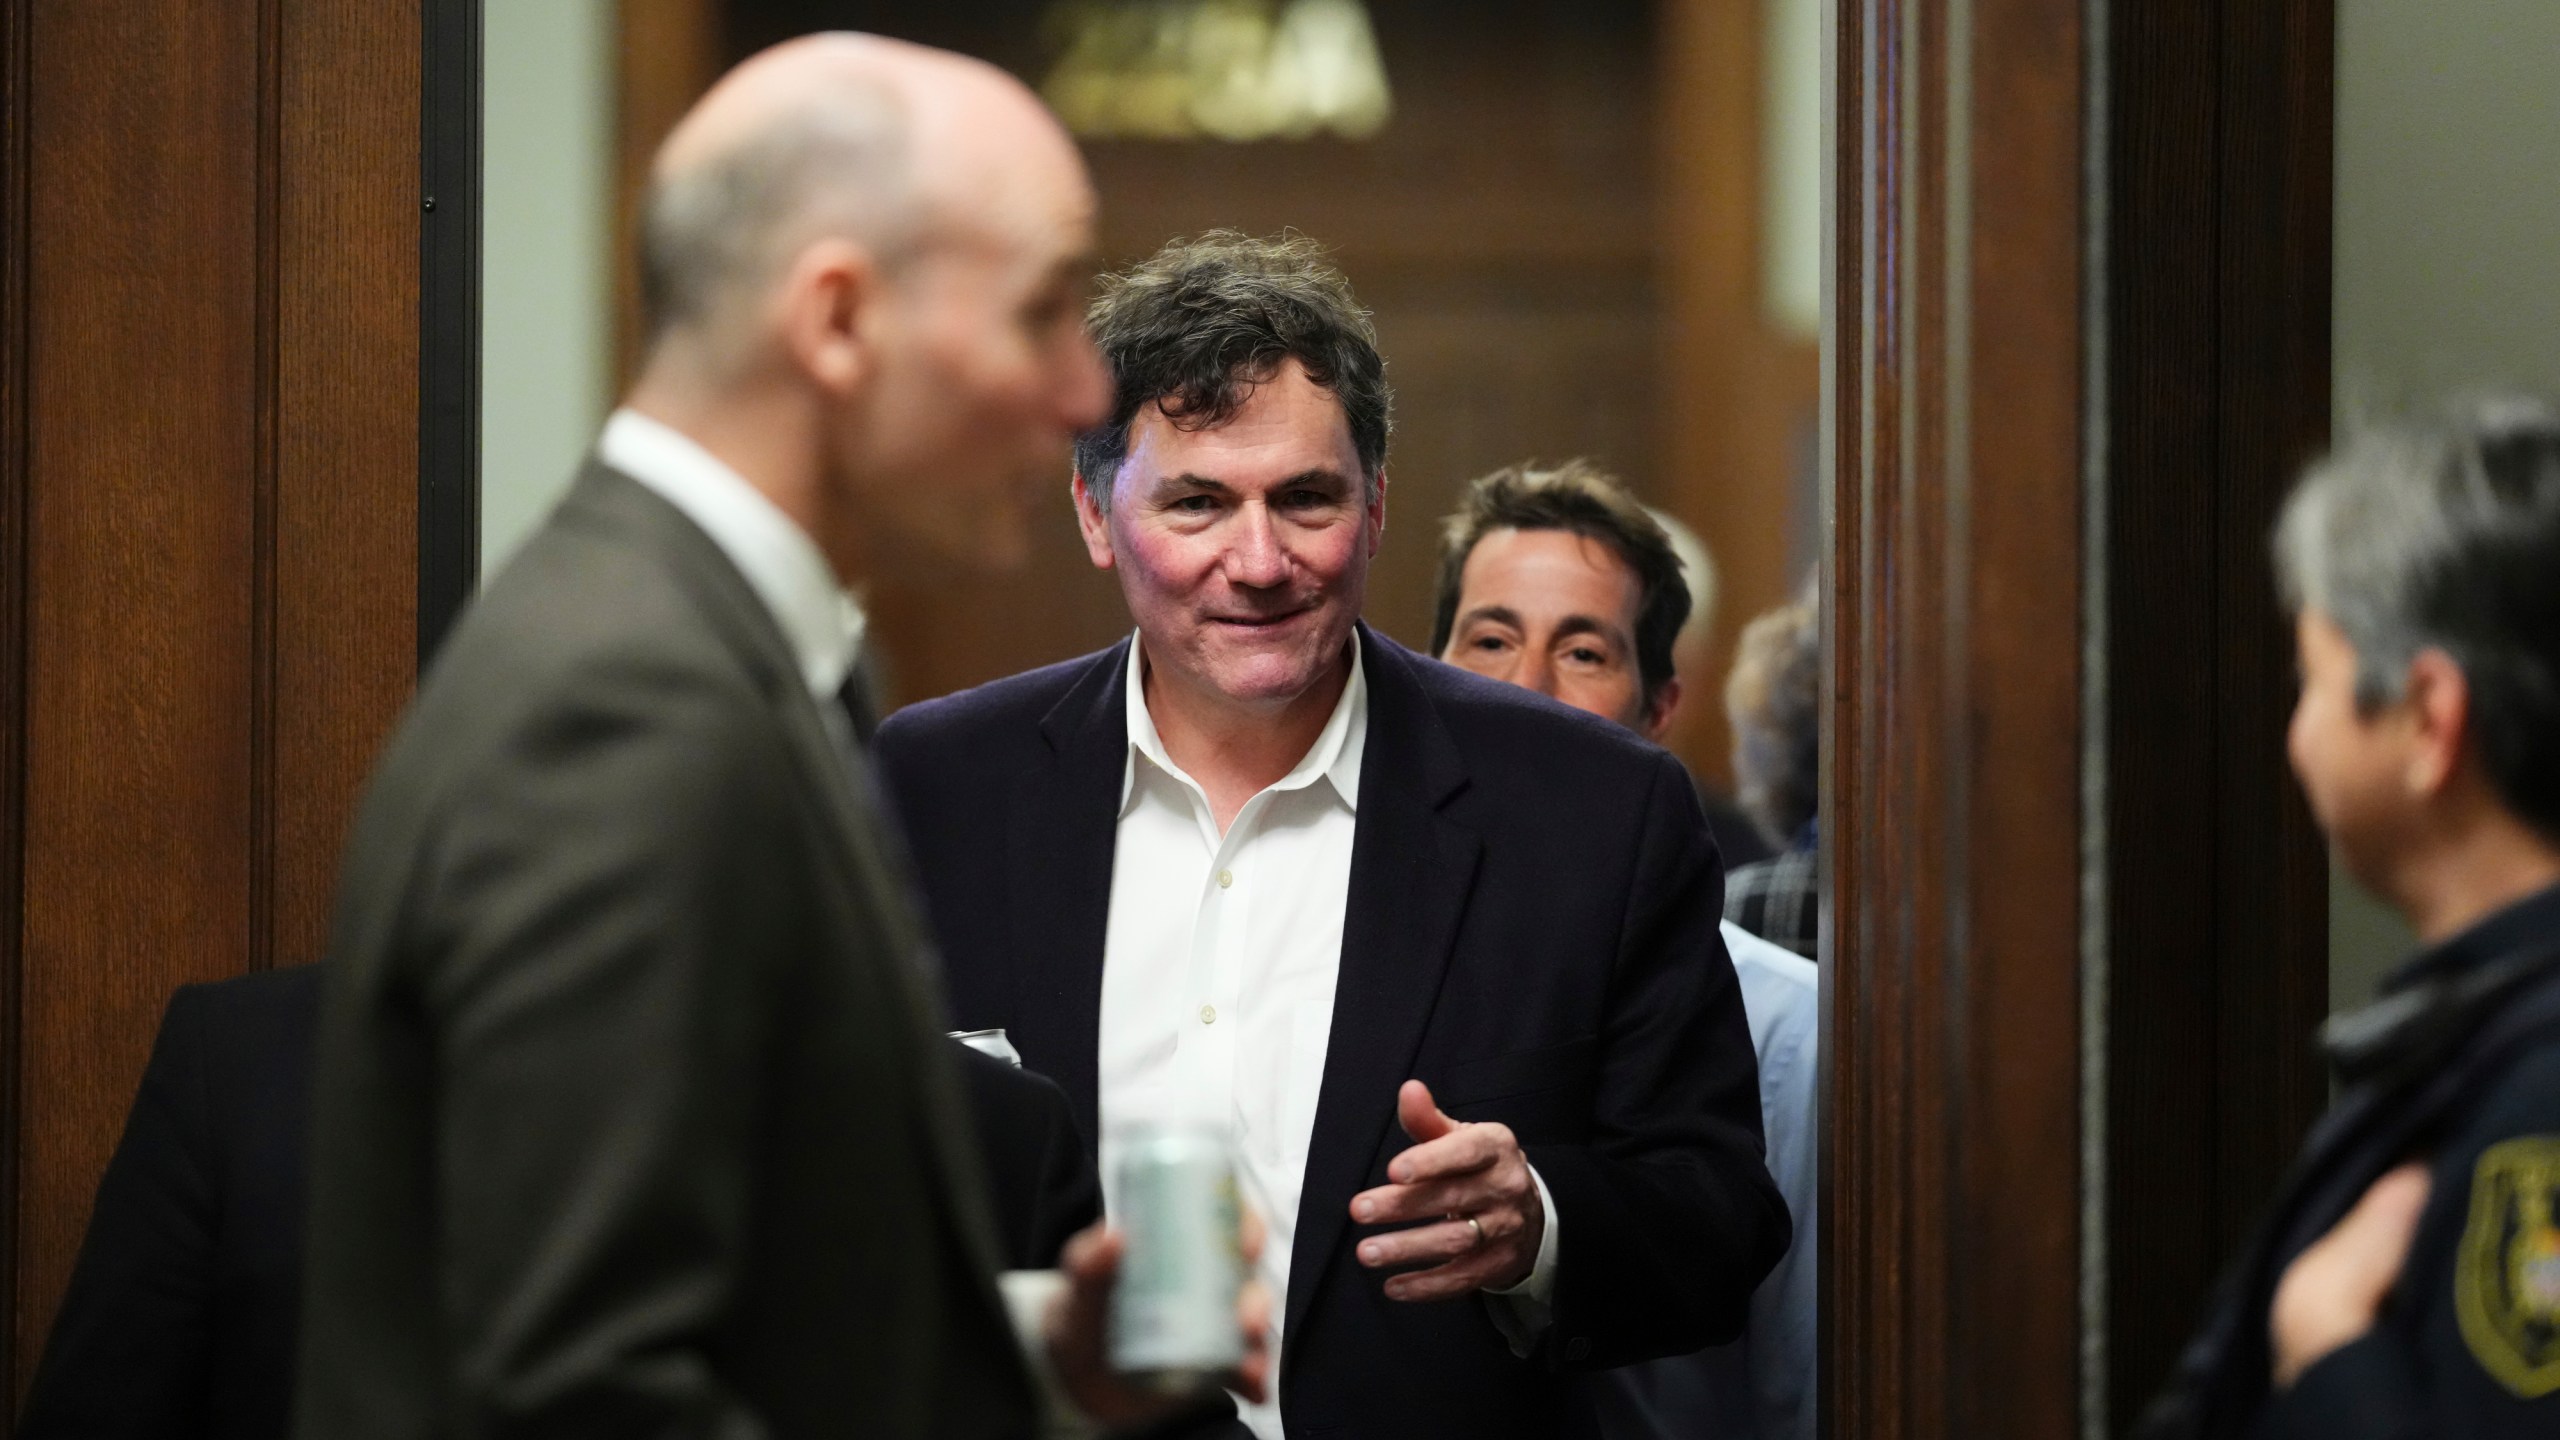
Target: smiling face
pixel 1243 549
pixel 1555 611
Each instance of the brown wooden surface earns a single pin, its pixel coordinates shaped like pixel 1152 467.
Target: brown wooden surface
pixel 1952 818
pixel 342 550
pixel 666 53
pixel 1738 400
pixel 2217 355
pixel 214 364
pixel 16 100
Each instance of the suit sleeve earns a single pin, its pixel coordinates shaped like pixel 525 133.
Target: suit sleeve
pixel 130 1351
pixel 1674 1216
pixel 604 937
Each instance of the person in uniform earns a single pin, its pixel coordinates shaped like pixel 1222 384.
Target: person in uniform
pixel 2407 1281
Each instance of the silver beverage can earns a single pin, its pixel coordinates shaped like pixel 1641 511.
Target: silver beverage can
pixel 1173 1313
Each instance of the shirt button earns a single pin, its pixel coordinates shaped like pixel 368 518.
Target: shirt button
pixel 1226 878
pixel 1208 1014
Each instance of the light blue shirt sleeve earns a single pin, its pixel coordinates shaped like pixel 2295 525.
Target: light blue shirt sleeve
pixel 1781 990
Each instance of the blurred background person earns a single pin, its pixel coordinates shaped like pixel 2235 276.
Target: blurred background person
pixel 2406 1282
pixel 1444 954
pixel 1775 700
pixel 183 1312
pixel 1738 838
pixel 633 1114
pixel 1559 581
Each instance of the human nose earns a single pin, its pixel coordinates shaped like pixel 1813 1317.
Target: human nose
pixel 1256 560
pixel 1538 673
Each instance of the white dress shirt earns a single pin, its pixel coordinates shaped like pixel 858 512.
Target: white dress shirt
pixel 1218 974
pixel 785 568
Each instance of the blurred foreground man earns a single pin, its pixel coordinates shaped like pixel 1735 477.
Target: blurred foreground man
pixel 1442 953
pixel 1560 581
pixel 635 1117
pixel 2407 1281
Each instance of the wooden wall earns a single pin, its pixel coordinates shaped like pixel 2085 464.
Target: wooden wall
pixel 208 498
pixel 1557 232
pixel 1952 807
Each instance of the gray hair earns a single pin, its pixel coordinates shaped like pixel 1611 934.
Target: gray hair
pixel 2445 535
pixel 1774 699
pixel 715 233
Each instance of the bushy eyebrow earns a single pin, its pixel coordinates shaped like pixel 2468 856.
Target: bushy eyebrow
pixel 1190 483
pixel 1589 625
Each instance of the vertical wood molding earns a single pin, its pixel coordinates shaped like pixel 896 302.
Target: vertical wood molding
pixel 1951 813
pixel 2217 363
pixel 342 542
pixel 16 23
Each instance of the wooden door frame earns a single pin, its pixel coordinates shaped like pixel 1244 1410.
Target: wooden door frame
pixel 2076 927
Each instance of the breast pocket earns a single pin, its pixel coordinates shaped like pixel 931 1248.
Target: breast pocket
pixel 1543 1094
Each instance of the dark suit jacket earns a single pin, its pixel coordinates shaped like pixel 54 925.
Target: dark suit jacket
pixel 180 1317
pixel 179 1320
pixel 633 1113
pixel 1041 1180
pixel 1531 928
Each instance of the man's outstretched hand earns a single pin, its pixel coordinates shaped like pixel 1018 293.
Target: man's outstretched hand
pixel 1079 1329
pixel 1452 1171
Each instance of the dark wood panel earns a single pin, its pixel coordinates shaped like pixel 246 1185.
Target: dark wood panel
pixel 342 547
pixel 208 541
pixel 16 101
pixel 2218 390
pixel 1952 755
pixel 143 332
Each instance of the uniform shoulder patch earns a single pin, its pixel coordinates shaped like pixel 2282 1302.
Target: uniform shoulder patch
pixel 2506 1278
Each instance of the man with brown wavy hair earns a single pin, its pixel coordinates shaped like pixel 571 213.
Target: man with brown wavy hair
pixel 1442 953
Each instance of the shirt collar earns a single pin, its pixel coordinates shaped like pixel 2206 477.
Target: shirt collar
pixel 1334 757
pixel 2532 923
pixel 822 623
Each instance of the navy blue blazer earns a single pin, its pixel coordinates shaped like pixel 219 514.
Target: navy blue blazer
pixel 1531 929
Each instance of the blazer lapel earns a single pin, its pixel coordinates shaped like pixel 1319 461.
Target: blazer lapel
pixel 1411 868
pixel 1059 847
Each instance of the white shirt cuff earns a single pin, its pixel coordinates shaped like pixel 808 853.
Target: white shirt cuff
pixel 1028 1295
pixel 1523 1312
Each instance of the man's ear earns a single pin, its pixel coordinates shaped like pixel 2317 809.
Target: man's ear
pixel 1093 524
pixel 1377 514
pixel 828 309
pixel 1659 710
pixel 2438 705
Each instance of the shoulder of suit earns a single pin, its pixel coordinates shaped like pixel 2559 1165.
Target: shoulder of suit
pixel 988 711
pixel 262 1018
